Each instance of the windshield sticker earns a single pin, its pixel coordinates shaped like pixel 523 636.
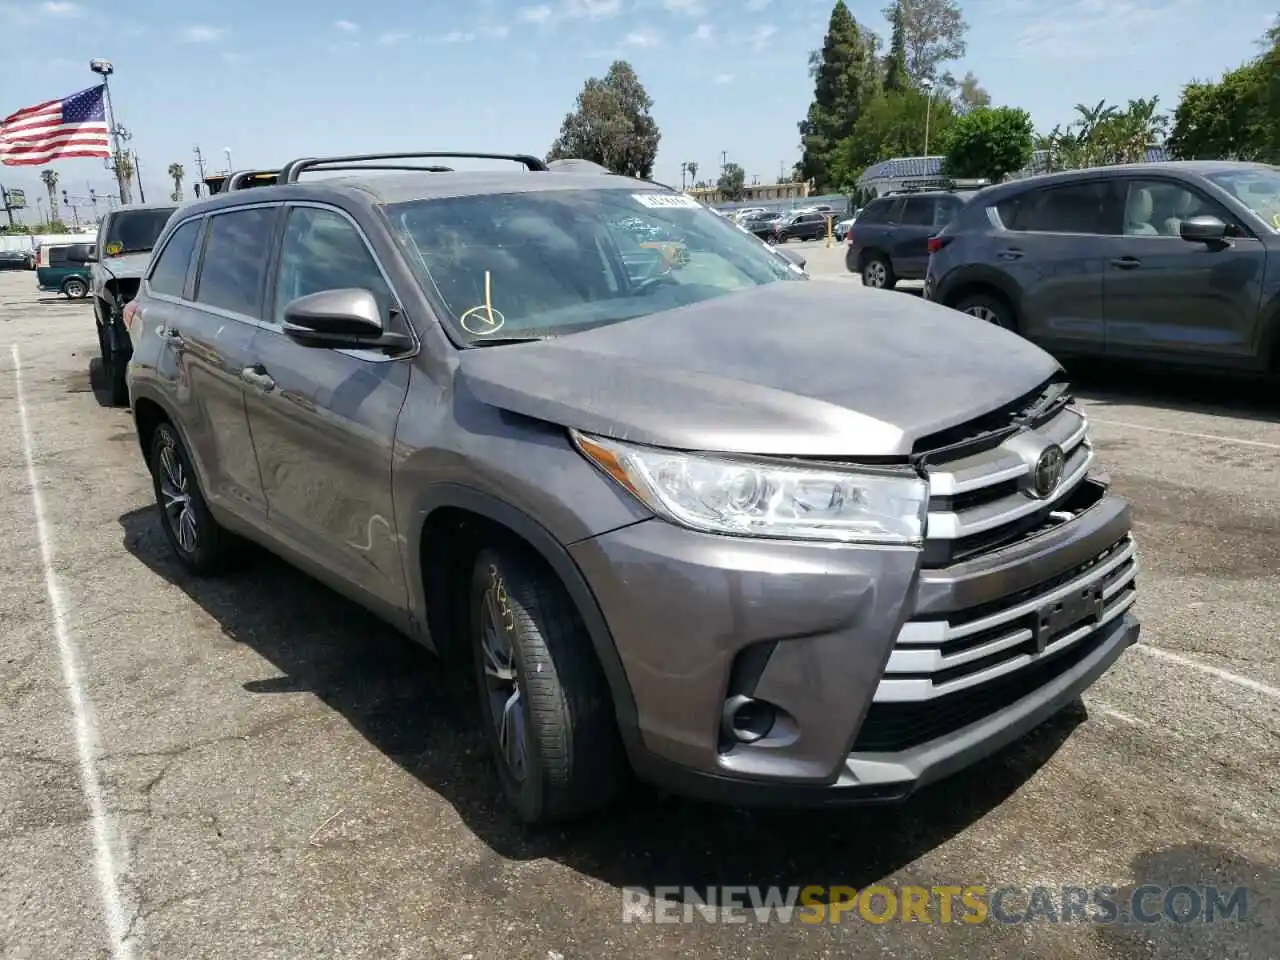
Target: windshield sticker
pixel 114 247
pixel 659 201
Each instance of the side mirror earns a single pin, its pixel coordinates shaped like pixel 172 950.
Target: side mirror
pixel 1203 230
pixel 794 256
pixel 346 319
pixel 81 253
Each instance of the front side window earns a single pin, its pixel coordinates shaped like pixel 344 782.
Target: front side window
pixel 1156 208
pixel 134 231
pixel 169 275
pixel 918 212
pixel 1258 188
pixel 235 260
pixel 323 250
pixel 550 262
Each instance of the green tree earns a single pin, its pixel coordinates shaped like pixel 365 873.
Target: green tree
pixel 892 124
pixel 732 182
pixel 846 74
pixel 611 125
pixel 49 177
pixel 990 142
pixel 971 95
pixel 176 174
pixel 895 65
pixel 933 35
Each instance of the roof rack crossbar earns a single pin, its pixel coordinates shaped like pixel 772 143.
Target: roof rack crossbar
pixel 290 171
pixel 241 178
pixel 432 168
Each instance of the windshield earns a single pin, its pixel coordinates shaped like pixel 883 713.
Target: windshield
pixel 546 263
pixel 135 231
pixel 1257 188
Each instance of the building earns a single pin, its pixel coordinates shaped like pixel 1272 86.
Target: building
pixel 923 173
pixel 753 193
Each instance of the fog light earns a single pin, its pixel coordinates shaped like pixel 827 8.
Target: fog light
pixel 747 720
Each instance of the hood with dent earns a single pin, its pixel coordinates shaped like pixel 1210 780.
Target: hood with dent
pixel 789 369
pixel 131 266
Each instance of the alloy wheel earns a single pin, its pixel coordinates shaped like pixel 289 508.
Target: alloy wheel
pixel 176 500
pixel 983 313
pixel 502 682
pixel 75 289
pixel 874 275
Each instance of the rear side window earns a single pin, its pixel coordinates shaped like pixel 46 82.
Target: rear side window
pixel 1069 208
pixel 57 256
pixel 235 260
pixel 169 275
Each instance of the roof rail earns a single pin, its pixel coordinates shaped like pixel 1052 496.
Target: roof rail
pixel 243 179
pixel 290 171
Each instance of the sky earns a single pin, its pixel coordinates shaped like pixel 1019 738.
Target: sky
pixel 270 81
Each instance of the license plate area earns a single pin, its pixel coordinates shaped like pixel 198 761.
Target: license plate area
pixel 1055 620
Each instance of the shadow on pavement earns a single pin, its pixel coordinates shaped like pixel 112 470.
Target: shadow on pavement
pixel 1110 383
pixel 406 704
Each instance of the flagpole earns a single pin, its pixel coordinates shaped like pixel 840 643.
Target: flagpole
pixel 104 69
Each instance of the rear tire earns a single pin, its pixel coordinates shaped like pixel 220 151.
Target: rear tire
pixel 877 273
pixel 115 365
pixel 197 540
pixel 990 307
pixel 75 289
pixel 544 700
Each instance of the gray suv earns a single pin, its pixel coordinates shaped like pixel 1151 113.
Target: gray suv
pixel 889 241
pixel 710 523
pixel 1171 262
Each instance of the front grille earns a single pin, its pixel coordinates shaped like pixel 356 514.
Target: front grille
pixel 932 658
pixel 979 481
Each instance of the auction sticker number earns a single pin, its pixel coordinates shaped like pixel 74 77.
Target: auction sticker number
pixel 659 201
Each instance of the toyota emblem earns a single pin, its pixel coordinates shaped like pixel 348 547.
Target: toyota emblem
pixel 1048 471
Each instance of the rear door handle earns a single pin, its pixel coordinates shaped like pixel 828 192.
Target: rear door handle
pixel 257 376
pixel 1126 263
pixel 1010 253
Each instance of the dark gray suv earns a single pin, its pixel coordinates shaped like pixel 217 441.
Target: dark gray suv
pixel 890 239
pixel 1173 262
pixel 711 522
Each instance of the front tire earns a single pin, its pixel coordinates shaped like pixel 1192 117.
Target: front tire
pixel 197 540
pixel 544 700
pixel 75 289
pixel 115 364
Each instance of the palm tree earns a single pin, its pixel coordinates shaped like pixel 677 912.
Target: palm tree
pixel 124 174
pixel 50 179
pixel 693 172
pixel 176 173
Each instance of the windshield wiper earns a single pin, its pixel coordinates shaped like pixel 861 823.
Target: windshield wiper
pixel 503 341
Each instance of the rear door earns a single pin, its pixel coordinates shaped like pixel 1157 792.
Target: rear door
pixel 324 420
pixel 211 339
pixel 1054 250
pixel 910 245
pixel 1166 294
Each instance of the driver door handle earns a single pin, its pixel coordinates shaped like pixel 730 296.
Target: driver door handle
pixel 1126 263
pixel 1010 253
pixel 257 376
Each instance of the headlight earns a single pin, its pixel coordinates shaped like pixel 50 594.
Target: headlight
pixel 755 498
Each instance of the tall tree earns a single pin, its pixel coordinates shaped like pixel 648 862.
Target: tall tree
pixel 176 174
pixel 49 177
pixel 892 124
pixel 895 65
pixel 611 125
pixel 934 35
pixel 732 182
pixel 971 94
pixel 989 142
pixel 846 74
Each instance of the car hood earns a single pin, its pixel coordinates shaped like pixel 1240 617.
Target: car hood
pixel 806 368
pixel 129 266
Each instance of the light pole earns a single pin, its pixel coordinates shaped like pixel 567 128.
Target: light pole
pixel 104 69
pixel 227 151
pixel 927 85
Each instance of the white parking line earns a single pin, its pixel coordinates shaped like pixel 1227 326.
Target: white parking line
pixel 1263 444
pixel 1248 684
pixel 106 839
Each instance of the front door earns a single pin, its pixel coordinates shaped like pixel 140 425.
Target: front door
pixel 208 343
pixel 1165 294
pixel 324 420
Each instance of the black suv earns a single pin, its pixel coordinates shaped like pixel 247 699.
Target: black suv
pixel 890 239
pixel 1170 262
pixel 800 226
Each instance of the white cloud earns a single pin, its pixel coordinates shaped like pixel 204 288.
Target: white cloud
pixel 458 36
pixel 761 36
pixel 1092 28
pixel 539 14
pixel 202 34
pixel 592 9
pixel 644 37
pixel 723 78
pixel 346 26
pixel 704 34
pixel 683 8
pixel 392 37
pixel 60 8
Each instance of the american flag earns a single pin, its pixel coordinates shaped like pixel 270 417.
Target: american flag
pixel 75 126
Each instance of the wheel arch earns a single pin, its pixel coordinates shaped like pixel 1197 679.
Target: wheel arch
pixel 450 523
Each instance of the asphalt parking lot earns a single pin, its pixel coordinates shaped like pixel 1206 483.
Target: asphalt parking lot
pixel 253 767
